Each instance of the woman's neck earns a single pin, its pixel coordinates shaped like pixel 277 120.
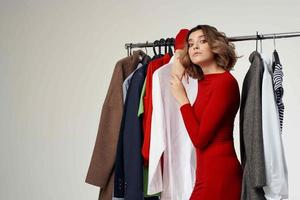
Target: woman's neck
pixel 211 68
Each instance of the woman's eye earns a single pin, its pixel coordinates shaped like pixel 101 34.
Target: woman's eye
pixel 190 45
pixel 203 41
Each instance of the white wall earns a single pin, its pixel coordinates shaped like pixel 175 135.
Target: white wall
pixel 56 60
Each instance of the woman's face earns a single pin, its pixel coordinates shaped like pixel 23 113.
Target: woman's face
pixel 199 50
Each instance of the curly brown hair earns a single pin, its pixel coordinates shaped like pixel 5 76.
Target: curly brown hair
pixel 224 51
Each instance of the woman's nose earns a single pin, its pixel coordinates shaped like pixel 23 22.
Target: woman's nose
pixel 196 46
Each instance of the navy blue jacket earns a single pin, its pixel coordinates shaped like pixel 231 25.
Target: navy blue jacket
pixel 129 161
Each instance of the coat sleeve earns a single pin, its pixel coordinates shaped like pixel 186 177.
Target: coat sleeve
pixel 105 147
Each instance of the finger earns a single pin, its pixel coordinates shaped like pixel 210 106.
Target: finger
pixel 176 78
pixel 172 78
pixel 172 82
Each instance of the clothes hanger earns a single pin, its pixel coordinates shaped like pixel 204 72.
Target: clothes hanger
pixel 154 50
pixel 130 50
pixel 274 42
pixel 156 43
pixel 166 44
pixel 145 58
pixel 256 41
pixel 162 42
pixel 146 47
pixel 127 51
pixel 168 49
pixel 169 44
pixel 260 42
pixel 275 53
pixel 261 50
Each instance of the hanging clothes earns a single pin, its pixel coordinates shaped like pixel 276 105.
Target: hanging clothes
pixel 251 136
pixel 145 108
pixel 119 181
pixel 153 66
pixel 100 172
pixel 277 82
pixel 276 170
pixel 131 140
pixel 172 159
pixel 179 43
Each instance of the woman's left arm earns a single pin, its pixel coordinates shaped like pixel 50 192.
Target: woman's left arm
pixel 222 102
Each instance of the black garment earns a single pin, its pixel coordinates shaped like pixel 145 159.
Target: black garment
pixel 251 136
pixel 152 198
pixel 129 162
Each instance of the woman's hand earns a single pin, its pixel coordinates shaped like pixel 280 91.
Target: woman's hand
pixel 177 68
pixel 178 90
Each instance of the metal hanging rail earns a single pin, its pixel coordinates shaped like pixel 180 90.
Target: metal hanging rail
pixel 130 46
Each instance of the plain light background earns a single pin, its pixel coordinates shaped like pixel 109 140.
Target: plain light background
pixel 56 61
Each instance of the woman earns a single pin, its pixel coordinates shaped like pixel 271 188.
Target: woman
pixel 208 57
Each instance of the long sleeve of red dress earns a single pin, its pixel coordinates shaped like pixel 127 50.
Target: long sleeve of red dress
pixel 220 97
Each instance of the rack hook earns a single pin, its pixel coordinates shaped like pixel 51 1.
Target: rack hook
pixel 274 42
pixel 256 40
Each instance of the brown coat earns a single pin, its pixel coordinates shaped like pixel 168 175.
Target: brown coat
pixel 100 172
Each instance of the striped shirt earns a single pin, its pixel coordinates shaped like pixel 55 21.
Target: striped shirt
pixel 278 89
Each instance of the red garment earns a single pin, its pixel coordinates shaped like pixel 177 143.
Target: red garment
pixel 209 123
pixel 152 66
pixel 180 39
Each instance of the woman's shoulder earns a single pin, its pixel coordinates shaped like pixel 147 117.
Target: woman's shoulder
pixel 226 83
pixel 226 86
pixel 226 79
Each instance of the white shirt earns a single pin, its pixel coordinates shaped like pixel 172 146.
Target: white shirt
pixel 276 168
pixel 170 141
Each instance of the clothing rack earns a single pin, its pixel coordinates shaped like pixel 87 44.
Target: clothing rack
pixel 170 41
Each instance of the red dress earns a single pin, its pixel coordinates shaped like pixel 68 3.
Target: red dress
pixel 209 123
